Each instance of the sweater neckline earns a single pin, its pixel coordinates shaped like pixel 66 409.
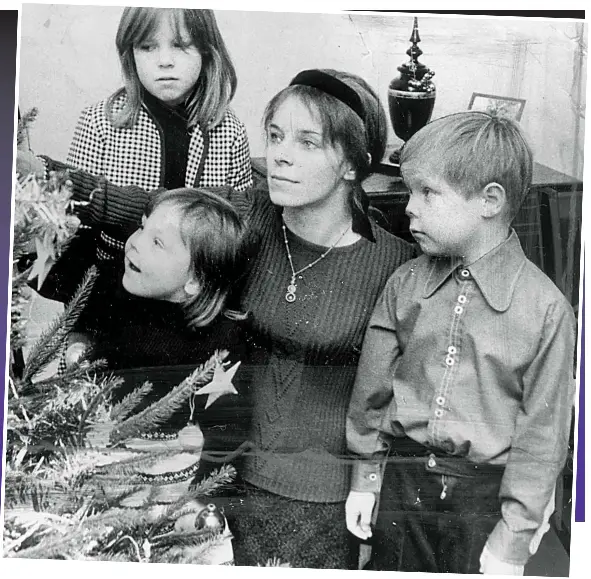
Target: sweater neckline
pixel 296 240
pixel 160 109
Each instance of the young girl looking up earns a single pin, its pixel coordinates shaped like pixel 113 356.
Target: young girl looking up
pixel 170 125
pixel 167 303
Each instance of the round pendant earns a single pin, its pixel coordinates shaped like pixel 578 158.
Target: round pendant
pixel 291 288
pixel 290 297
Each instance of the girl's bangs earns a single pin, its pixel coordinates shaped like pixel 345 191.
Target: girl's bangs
pixel 147 20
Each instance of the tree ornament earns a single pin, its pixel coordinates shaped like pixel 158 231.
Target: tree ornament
pixel 210 519
pixel 220 384
pixel 191 438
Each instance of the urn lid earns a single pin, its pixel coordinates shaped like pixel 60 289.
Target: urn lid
pixel 414 74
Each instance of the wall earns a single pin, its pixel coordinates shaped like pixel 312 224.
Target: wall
pixel 68 61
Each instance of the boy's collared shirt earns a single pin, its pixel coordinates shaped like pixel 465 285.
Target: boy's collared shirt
pixel 478 362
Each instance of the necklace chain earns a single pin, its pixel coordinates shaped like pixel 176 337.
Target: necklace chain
pixel 290 296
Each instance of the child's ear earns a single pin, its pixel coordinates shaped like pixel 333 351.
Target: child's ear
pixel 494 200
pixel 192 287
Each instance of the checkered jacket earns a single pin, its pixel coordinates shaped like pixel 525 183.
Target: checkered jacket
pixel 133 156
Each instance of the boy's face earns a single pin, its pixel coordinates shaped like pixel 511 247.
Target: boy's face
pixel 443 220
pixel 157 261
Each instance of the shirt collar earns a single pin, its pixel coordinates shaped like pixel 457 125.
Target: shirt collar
pixel 504 262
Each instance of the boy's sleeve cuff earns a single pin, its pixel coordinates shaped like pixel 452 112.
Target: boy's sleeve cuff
pixel 367 476
pixel 510 546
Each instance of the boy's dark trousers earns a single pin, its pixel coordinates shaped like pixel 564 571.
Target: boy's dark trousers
pixel 436 511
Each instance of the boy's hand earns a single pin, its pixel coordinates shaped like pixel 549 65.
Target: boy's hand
pixel 27 164
pixel 358 509
pixel 490 565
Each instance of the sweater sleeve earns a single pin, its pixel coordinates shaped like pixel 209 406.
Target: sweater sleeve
pixel 101 202
pixel 539 446
pixel 104 204
pixel 372 393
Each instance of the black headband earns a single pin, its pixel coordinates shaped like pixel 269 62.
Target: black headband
pixel 332 86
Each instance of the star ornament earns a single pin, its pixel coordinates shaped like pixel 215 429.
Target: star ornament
pixel 220 384
pixel 43 263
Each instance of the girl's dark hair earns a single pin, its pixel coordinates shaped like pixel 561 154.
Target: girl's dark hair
pixel 217 81
pixel 363 141
pixel 216 238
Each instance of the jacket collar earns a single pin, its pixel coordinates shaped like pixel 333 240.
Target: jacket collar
pixel 496 273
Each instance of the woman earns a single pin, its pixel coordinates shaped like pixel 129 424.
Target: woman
pixel 320 266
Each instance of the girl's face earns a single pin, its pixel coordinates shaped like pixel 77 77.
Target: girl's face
pixel 168 66
pixel 303 170
pixel 157 261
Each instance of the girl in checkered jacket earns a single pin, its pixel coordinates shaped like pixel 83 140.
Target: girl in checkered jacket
pixel 170 125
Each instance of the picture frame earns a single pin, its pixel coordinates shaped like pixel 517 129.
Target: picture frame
pixel 503 106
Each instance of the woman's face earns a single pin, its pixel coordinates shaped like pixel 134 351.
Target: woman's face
pixel 303 170
pixel 157 261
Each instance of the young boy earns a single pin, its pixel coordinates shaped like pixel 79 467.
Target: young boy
pixel 465 381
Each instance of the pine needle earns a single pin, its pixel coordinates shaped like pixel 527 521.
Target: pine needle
pixel 159 412
pixel 123 409
pixel 53 338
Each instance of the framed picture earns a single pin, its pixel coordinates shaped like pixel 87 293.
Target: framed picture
pixel 502 106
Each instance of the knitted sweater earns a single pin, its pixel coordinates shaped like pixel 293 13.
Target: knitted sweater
pixel 307 350
pixel 148 340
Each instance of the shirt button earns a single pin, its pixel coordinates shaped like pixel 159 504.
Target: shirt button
pixel 432 462
pixel 373 477
pixel 458 310
pixel 449 361
pixel 451 350
pixel 439 413
pixel 440 400
pixel 462 299
pixel 465 273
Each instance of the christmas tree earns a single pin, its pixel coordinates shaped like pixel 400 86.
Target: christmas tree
pixel 87 477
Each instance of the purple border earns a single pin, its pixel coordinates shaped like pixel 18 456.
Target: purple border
pixel 580 482
pixel 8 31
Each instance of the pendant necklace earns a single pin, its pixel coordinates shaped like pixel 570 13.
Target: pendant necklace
pixel 290 296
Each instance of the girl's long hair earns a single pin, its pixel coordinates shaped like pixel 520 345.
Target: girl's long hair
pixel 218 243
pixel 216 85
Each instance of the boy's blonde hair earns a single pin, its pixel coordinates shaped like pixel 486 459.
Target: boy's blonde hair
pixel 218 243
pixel 472 149
pixel 217 81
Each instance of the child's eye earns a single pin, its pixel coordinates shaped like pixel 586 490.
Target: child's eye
pixel 158 242
pixel 426 191
pixel 146 46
